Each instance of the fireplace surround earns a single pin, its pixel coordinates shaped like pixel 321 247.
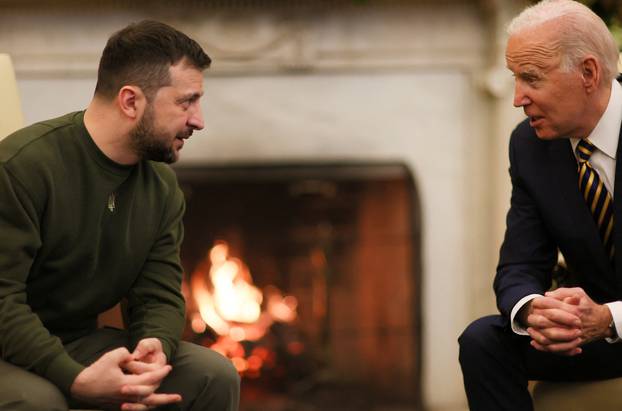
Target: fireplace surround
pixel 343 241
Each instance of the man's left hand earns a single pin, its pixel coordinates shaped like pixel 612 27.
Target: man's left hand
pixel 147 356
pixel 595 318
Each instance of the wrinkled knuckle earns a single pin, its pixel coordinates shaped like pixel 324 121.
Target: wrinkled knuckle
pixel 540 321
pixel 123 350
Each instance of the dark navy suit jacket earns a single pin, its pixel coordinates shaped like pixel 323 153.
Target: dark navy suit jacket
pixel 548 213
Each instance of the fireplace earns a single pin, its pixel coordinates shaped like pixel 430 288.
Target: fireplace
pixel 308 276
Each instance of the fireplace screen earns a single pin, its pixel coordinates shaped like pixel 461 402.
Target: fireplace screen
pixel 308 278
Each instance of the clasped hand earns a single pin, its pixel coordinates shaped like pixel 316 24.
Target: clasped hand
pixel 126 380
pixel 565 319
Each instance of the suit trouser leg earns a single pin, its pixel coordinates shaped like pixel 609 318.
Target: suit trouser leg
pixel 206 380
pixel 497 365
pixel 21 390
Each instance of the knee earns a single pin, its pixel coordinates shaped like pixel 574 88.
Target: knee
pixel 35 398
pixel 478 337
pixel 213 370
pixel 222 374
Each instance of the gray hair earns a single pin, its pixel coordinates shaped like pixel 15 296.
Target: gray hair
pixel 581 33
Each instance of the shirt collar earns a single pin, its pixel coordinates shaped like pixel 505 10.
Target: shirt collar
pixel 607 132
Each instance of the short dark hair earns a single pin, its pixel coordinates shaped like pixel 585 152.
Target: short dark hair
pixel 141 54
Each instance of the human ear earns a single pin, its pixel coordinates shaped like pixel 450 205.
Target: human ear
pixel 131 101
pixel 591 71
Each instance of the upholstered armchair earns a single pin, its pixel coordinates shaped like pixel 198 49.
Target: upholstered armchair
pixel 575 396
pixel 11 117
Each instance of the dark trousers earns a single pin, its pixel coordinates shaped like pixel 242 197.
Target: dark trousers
pixel 497 364
pixel 206 380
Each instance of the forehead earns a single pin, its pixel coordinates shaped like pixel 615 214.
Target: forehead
pixel 538 49
pixel 186 78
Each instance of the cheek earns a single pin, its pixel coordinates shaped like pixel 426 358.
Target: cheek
pixel 172 121
pixel 554 105
pixel 179 119
pixel 570 108
pixel 570 98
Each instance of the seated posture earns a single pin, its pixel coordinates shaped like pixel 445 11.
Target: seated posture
pixel 566 172
pixel 90 215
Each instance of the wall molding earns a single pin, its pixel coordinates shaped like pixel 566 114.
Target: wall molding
pixel 383 35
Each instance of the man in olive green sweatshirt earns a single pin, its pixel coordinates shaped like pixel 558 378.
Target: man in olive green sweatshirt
pixel 89 215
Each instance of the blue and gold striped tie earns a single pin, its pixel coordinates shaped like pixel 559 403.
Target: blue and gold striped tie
pixel 596 195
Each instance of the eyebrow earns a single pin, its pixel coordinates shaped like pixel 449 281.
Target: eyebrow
pixel 529 73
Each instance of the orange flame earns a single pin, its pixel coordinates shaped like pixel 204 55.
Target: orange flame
pixel 235 298
pixel 231 305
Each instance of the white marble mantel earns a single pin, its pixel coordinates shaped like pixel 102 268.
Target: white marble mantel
pixel 249 39
pixel 421 82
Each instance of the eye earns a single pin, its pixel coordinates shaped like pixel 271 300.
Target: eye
pixel 530 79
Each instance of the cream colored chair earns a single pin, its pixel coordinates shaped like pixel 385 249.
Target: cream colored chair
pixel 578 396
pixel 11 117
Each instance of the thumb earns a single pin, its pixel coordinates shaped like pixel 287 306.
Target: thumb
pixel 560 293
pixel 147 346
pixel 118 356
pixel 574 300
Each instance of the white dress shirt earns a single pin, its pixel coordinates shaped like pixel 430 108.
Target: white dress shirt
pixel 605 137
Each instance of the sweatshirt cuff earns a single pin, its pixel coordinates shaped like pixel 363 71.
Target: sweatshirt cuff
pixel 62 371
pixel 167 349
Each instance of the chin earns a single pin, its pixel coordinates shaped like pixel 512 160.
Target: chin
pixel 547 134
pixel 173 157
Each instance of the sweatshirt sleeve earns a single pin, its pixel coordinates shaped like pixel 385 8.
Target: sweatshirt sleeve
pixel 156 306
pixel 24 340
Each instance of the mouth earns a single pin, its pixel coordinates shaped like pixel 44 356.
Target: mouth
pixel 534 120
pixel 184 136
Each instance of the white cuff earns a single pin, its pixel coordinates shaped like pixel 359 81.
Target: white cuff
pixel 616 312
pixel 516 326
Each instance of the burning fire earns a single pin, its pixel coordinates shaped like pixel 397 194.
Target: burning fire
pixel 229 303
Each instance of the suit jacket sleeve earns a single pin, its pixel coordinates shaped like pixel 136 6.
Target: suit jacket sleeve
pixel 528 253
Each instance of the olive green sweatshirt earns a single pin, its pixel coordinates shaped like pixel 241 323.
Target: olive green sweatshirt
pixel 78 232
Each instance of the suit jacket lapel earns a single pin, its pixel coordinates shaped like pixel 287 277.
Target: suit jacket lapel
pixel 617 213
pixel 564 171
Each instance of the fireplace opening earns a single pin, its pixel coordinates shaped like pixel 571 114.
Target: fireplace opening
pixel 308 277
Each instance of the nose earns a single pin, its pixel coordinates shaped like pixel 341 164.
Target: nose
pixel 196 119
pixel 520 97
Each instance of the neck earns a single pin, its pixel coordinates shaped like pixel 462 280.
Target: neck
pixel 596 105
pixel 110 131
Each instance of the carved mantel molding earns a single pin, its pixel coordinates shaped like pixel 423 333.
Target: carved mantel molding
pixel 65 38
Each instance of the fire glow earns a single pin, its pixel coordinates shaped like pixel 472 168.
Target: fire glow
pixel 229 303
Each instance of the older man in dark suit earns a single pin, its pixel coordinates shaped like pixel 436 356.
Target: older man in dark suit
pixel 566 181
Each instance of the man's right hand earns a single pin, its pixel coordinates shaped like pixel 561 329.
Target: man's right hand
pixel 553 325
pixel 105 383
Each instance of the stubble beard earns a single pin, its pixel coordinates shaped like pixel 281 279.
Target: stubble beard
pixel 148 144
